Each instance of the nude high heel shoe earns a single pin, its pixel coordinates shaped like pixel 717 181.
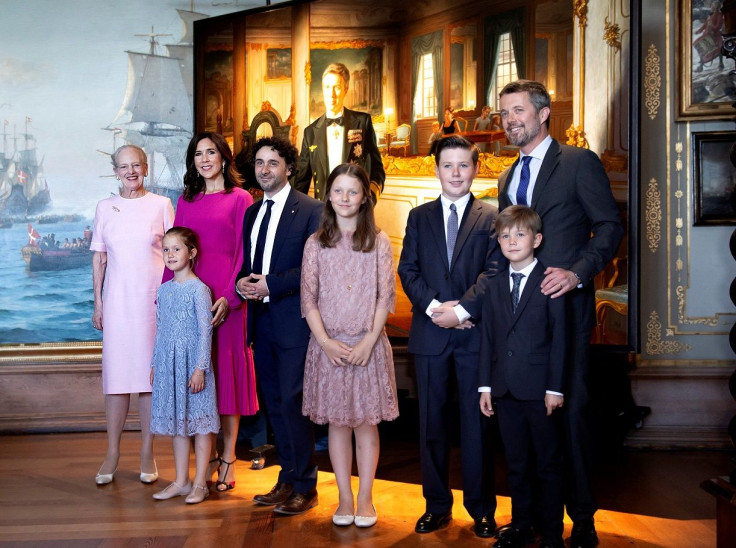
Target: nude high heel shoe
pixel 149 478
pixel 104 479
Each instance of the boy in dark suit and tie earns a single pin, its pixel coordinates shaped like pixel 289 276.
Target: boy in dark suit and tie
pixel 522 363
pixel 450 251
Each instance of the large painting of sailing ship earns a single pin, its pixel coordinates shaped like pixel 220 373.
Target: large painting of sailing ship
pixel 126 78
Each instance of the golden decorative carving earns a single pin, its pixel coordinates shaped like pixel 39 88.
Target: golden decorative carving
pixel 652 82
pixel 490 167
pixel 576 137
pixel 266 106
pixel 653 215
pixel 308 73
pixel 612 35
pixel 680 291
pixel 350 44
pixel 580 10
pixel 678 160
pixel 655 345
pixel 612 161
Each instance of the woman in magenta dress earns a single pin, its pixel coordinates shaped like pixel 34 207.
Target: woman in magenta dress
pixel 213 205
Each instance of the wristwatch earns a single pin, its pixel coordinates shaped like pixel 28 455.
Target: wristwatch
pixel 580 282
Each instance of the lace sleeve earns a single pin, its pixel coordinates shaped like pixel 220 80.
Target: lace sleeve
pixel 386 298
pixel 202 306
pixel 310 276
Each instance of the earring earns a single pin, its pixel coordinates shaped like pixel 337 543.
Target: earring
pixel 223 166
pixel 118 178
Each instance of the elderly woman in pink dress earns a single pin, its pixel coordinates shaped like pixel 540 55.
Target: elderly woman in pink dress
pixel 126 271
pixel 213 205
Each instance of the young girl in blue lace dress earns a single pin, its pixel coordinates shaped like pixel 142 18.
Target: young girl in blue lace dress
pixel 184 399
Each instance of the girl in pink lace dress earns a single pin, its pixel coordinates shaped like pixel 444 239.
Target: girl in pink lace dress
pixel 348 289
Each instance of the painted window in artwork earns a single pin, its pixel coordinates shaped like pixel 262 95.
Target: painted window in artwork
pixel 505 68
pixel 426 98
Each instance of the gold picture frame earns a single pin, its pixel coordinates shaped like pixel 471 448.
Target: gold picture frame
pixel 705 90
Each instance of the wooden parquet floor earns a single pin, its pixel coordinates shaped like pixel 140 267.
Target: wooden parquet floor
pixel 48 498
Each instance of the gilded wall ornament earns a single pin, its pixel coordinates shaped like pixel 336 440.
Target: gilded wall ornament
pixel 612 35
pixel 491 167
pixel 308 73
pixel 653 215
pixel 681 293
pixel 576 137
pixel 655 345
pixel 652 82
pixel 580 10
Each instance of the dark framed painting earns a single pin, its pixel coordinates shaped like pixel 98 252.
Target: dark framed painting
pixel 707 89
pixel 714 177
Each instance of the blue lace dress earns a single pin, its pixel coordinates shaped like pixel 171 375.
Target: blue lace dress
pixel 183 342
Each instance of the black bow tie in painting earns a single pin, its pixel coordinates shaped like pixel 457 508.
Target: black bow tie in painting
pixel 337 121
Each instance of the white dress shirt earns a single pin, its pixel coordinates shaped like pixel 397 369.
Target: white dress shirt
pixel 535 165
pixel 460 205
pixel 279 201
pixel 335 140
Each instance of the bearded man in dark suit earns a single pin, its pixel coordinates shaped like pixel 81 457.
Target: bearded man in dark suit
pixel 569 189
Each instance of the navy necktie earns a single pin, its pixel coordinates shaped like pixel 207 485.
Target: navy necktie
pixel 516 276
pixel 523 181
pixel 261 240
pixel 451 233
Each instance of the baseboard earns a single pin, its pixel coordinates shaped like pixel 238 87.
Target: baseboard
pixel 678 437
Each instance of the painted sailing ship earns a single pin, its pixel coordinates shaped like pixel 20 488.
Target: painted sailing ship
pixel 157 113
pixel 23 187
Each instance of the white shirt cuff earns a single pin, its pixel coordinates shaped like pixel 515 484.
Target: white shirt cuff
pixel 461 313
pixel 434 304
pixel 484 389
pixel 552 392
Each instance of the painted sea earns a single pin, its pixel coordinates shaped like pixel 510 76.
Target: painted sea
pixel 38 307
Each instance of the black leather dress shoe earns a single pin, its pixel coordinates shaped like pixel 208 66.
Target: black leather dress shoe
pixel 515 538
pixel 298 503
pixel 485 527
pixel 431 522
pixel 583 534
pixel 277 495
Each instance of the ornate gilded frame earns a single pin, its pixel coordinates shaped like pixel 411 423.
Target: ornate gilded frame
pixel 689 105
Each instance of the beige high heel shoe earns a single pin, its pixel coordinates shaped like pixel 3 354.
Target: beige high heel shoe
pixel 149 478
pixel 104 479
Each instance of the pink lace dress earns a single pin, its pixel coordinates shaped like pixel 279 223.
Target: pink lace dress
pixel 347 287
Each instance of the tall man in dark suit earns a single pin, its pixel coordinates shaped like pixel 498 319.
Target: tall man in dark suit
pixel 274 233
pixel 450 251
pixel 340 135
pixel 569 189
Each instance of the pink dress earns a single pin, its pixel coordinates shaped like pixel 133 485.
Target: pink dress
pixel 130 232
pixel 218 221
pixel 347 287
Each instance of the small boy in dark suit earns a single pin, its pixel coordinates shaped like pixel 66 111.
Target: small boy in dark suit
pixel 522 364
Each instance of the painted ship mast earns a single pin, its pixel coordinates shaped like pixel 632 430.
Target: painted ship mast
pixel 156 113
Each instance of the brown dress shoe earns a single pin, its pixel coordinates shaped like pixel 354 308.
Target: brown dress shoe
pixel 298 503
pixel 277 495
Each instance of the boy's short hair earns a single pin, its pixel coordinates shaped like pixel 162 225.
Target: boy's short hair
pixel 519 216
pixel 456 141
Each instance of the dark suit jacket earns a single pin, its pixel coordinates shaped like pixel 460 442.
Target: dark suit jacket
pixel 524 353
pixel 359 146
pixel 298 221
pixel 425 273
pixel 573 197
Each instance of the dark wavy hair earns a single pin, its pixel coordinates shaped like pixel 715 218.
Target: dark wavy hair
pixel 328 233
pixel 194 182
pixel 285 149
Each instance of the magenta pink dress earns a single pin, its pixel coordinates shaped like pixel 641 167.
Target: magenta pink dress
pixel 218 221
